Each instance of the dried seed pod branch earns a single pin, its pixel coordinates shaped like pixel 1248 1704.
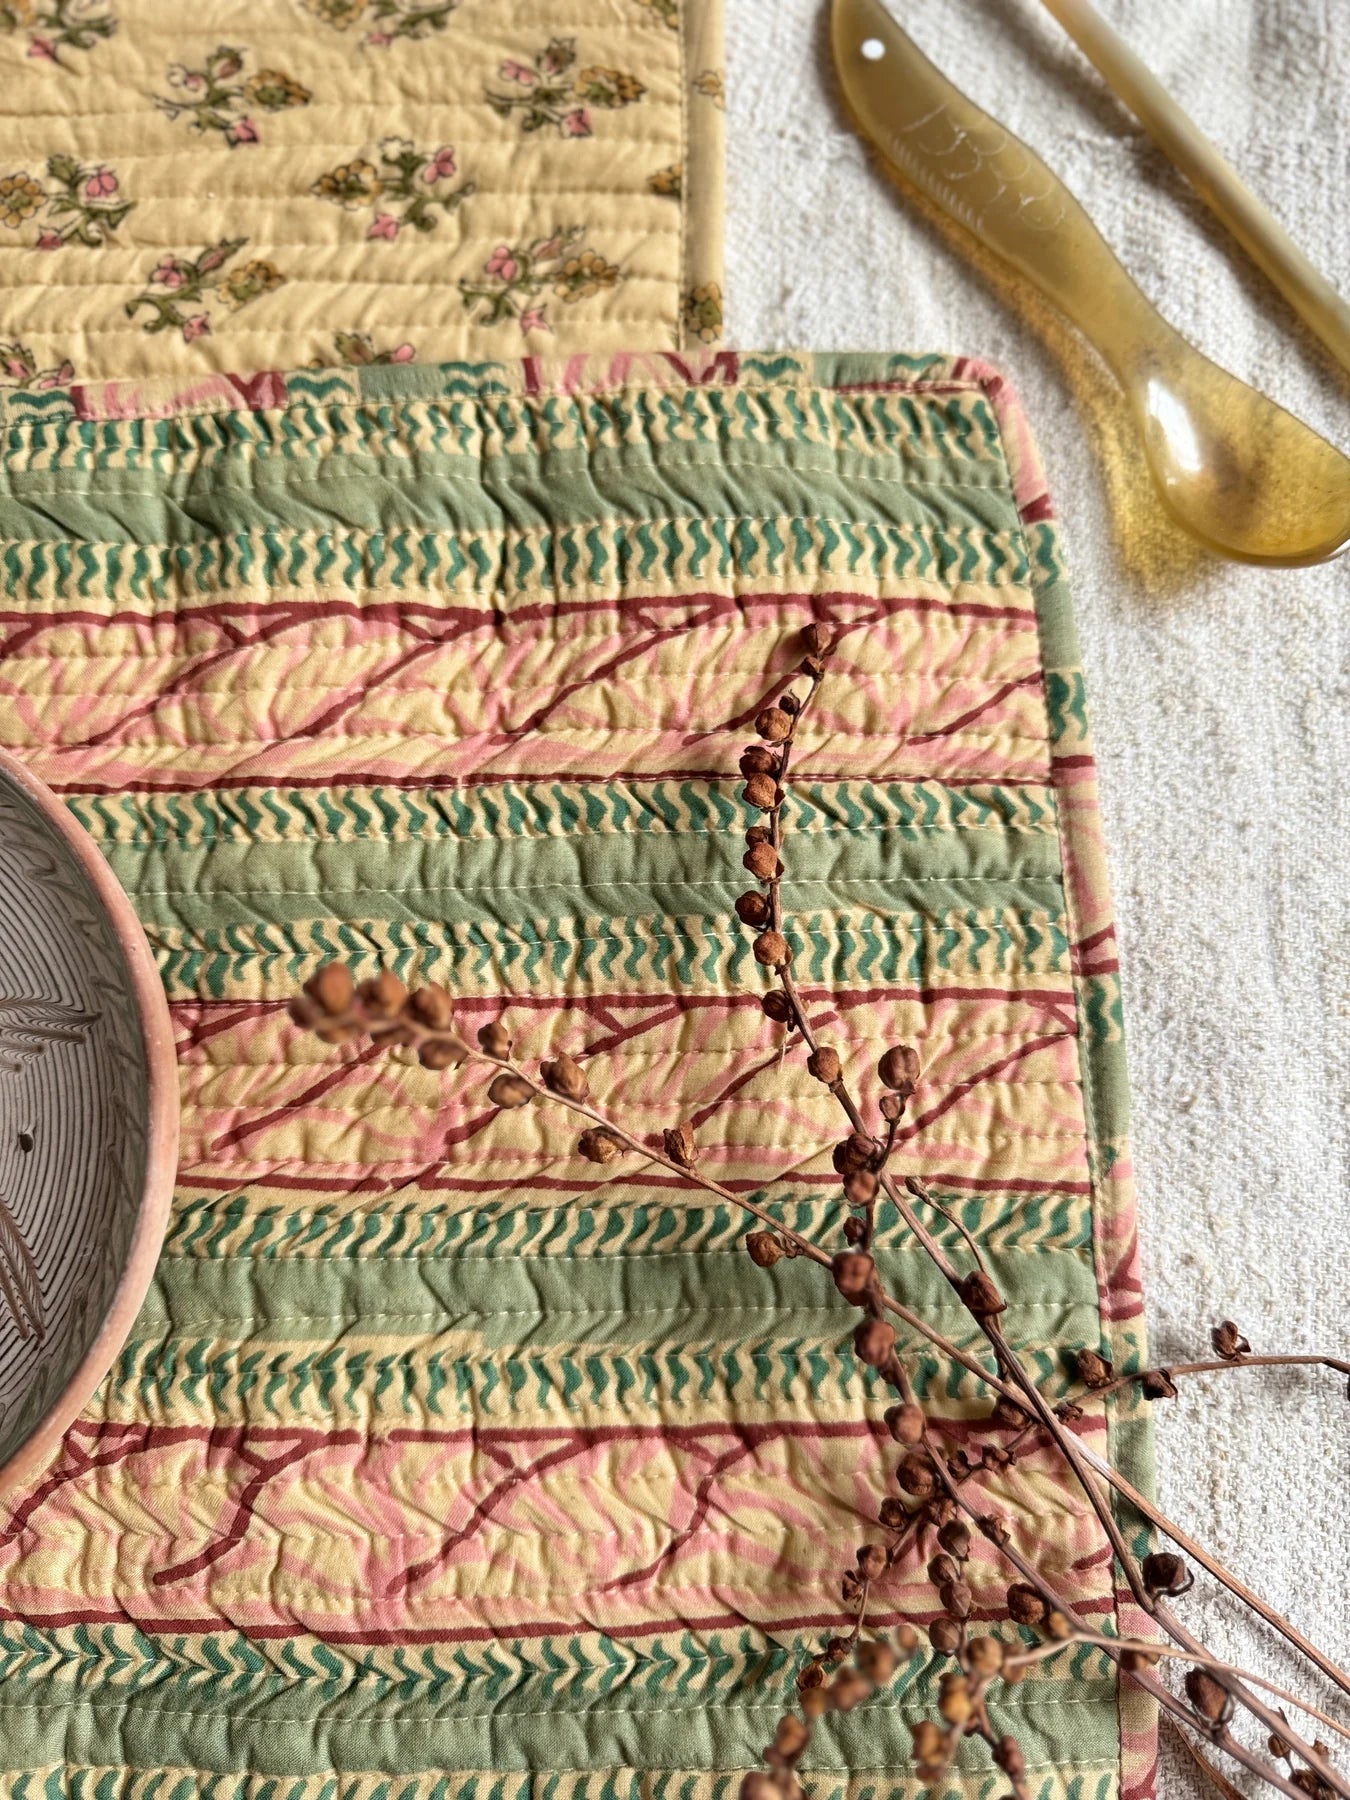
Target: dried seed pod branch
pixel 861 1156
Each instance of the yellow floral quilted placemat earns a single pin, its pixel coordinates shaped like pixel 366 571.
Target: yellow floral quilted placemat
pixel 233 185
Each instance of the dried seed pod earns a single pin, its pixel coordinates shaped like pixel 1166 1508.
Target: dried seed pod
pixel 905 1638
pixel 871 1561
pixel 915 1475
pixel 337 1034
pixel 431 1006
pixel 1309 1782
pixel 892 1108
pixel 757 834
pixel 899 1069
pixel 850 1688
pixel 984 1655
pixel 1094 1371
pixel 1277 1746
pixel 392 1033
pixel 599 1146
pixel 945 1635
pixel 955 1539
pixel 981 1296
pixel 440 1053
pixel 791 1736
pixel 854 1275
pixel 906 1423
pixel 815 1702
pixel 930 1746
pixel 1157 1384
pixel 874 1342
pixel 893 1513
pixel 680 1146
pixel 1008 1755
pixel 565 1076
pixel 1025 1606
pixel 812 667
pixel 1136 1661
pixel 823 1063
pixel 332 987
pixel 791 704
pixel 855 1231
pixel 1166 1573
pixel 756 760
pixel 771 949
pixel 851 1587
pixel 777 1006
pixel 956 1598
pixel 855 1153
pixel 759 1786
pixel 876 1659
pixel 941 1569
pixel 765 1249
pixel 495 1039
pixel 941 1508
pixel 815 638
pixel 810 1675
pixel 1008 1415
pixel 1058 1625
pixel 305 1012
pixel 762 862
pixel 1229 1342
pixel 1209 1699
pixel 774 725
pixel 995 1530
pixel 761 792
pixel 860 1189
pixel 384 994
pixel 954 1697
pixel 510 1090
pixel 753 909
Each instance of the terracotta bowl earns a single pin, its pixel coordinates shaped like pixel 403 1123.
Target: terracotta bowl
pixel 88 1120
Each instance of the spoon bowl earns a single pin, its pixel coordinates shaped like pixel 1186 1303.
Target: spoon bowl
pixel 1236 471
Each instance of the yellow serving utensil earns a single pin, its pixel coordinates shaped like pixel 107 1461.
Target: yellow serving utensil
pixel 1216 181
pixel 1236 471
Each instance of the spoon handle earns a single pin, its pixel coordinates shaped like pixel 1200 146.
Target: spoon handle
pixel 1218 184
pixel 975 170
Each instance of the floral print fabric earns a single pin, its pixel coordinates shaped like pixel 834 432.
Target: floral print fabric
pixel 353 182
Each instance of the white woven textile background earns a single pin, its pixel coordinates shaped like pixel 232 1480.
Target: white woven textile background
pixel 1218 693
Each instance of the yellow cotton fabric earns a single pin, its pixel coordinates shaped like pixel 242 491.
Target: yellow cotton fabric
pixel 234 186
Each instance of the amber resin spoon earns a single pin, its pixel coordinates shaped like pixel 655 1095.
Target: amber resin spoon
pixel 1236 471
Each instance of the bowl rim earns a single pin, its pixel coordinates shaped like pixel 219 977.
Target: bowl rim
pixel 161 1161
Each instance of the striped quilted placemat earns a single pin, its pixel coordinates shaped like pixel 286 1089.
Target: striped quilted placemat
pixel 441 1464
pixel 232 184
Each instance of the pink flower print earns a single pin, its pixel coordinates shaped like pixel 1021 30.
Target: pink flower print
pixel 17 367
pixel 242 132
pixel 100 184
pixel 502 263
pixel 168 274
pixel 404 353
pixel 576 123
pixel 532 319
pixel 43 48
pixel 208 260
pixel 546 249
pixel 378 40
pixel 61 377
pixel 197 326
pixel 441 167
pixel 50 240
pixel 518 71
pixel 384 225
